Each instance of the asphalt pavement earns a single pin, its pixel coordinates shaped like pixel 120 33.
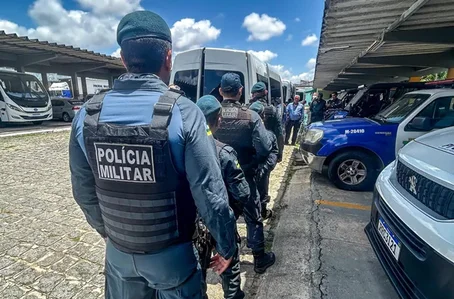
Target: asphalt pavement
pixel 28 128
pixel 320 244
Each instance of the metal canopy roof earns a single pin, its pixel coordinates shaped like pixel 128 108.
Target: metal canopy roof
pixel 367 41
pixel 32 55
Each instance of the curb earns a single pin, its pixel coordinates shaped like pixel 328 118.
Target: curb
pixel 42 131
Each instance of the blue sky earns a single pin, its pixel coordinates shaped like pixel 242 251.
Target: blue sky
pixel 275 30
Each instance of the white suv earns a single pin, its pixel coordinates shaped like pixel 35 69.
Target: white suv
pixel 412 221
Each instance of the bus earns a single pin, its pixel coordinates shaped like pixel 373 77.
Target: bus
pixel 23 99
pixel 198 72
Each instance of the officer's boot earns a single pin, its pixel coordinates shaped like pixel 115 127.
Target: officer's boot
pixel 263 261
pixel 266 213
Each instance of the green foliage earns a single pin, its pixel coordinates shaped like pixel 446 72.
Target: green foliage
pixel 435 77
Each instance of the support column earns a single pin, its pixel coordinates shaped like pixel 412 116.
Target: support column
pixel 45 80
pixel 414 79
pixel 450 74
pixel 75 84
pixel 83 79
pixel 111 81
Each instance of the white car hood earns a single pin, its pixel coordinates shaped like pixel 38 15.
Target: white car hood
pixel 432 156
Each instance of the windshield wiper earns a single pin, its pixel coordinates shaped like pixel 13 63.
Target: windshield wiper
pixel 380 117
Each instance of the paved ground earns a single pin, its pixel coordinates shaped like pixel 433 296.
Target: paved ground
pixel 321 246
pixel 8 129
pixel 46 248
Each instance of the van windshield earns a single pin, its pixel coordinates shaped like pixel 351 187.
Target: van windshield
pixel 212 84
pixel 401 108
pixel 24 89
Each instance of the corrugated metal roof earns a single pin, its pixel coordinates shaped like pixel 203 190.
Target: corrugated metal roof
pixel 355 29
pixel 12 45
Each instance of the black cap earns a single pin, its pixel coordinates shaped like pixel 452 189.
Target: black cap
pixel 141 24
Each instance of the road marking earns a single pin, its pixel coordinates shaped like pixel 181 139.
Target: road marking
pixel 346 205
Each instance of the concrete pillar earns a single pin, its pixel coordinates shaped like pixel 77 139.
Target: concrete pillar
pixel 111 81
pixel 83 79
pixel 450 74
pixel 75 85
pixel 45 80
pixel 414 79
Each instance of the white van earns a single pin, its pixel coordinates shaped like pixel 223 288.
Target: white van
pixel 412 221
pixel 198 72
pixel 23 99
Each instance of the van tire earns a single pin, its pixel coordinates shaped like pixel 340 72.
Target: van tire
pixel 353 164
pixel 38 122
pixel 66 117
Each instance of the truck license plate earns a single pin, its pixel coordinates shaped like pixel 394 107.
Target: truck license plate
pixel 389 238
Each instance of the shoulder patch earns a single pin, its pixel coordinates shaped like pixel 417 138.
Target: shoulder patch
pixel 209 133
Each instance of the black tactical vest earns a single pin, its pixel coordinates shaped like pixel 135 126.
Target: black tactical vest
pixel 145 204
pixel 236 130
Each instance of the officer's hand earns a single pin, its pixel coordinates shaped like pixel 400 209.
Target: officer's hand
pixel 219 264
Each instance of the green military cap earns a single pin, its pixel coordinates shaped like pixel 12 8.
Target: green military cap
pixel 209 104
pixel 141 24
pixel 258 87
pixel 257 107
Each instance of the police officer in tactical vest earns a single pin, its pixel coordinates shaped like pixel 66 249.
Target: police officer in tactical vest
pixel 142 161
pixel 237 189
pixel 244 131
pixel 271 115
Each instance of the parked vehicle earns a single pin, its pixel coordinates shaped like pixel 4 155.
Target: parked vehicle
pixel 355 150
pixel 370 100
pixel 60 90
pixel 23 99
pixel 412 218
pixel 65 109
pixel 198 72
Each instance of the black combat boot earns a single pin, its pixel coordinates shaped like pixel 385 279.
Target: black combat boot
pixel 266 213
pixel 263 261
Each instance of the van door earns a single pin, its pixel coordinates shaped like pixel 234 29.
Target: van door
pixel 437 114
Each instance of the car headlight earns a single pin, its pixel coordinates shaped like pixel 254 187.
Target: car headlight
pixel 313 136
pixel 14 107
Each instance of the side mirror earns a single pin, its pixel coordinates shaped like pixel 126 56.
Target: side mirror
pixel 420 124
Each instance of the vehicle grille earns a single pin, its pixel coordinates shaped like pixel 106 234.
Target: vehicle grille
pixel 433 195
pixel 34 117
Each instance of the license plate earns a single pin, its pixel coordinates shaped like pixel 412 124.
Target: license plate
pixel 36 114
pixel 389 238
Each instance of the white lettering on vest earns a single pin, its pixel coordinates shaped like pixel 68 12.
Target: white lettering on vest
pixel 125 162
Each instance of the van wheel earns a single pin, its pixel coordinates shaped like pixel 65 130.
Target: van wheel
pixel 66 117
pixel 353 171
pixel 38 123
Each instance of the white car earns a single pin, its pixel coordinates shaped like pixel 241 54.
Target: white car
pixel 412 220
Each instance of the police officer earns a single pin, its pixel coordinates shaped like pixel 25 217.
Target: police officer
pixel 142 161
pixel 237 189
pixel 271 114
pixel 264 170
pixel 244 131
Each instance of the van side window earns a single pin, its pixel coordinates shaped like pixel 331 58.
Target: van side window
pixel 212 83
pixel 440 113
pixel 276 94
pixel 187 81
pixel 263 79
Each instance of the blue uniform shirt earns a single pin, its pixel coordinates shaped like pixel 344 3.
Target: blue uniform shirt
pixel 295 112
pixel 192 147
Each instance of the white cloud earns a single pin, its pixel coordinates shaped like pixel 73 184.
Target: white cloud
pixel 287 74
pixel 73 27
pixel 189 34
pixel 111 7
pixel 311 63
pixel 116 53
pixel 289 38
pixel 309 40
pixel 297 20
pixel 263 27
pixel 264 56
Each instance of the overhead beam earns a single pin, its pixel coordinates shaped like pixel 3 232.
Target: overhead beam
pixel 25 60
pixel 445 59
pixel 441 35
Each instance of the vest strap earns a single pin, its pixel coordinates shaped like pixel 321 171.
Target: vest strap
pixel 162 112
pixel 93 108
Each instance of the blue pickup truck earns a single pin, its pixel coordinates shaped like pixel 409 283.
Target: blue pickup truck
pixel 354 150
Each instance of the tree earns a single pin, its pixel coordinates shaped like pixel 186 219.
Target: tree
pixel 435 77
